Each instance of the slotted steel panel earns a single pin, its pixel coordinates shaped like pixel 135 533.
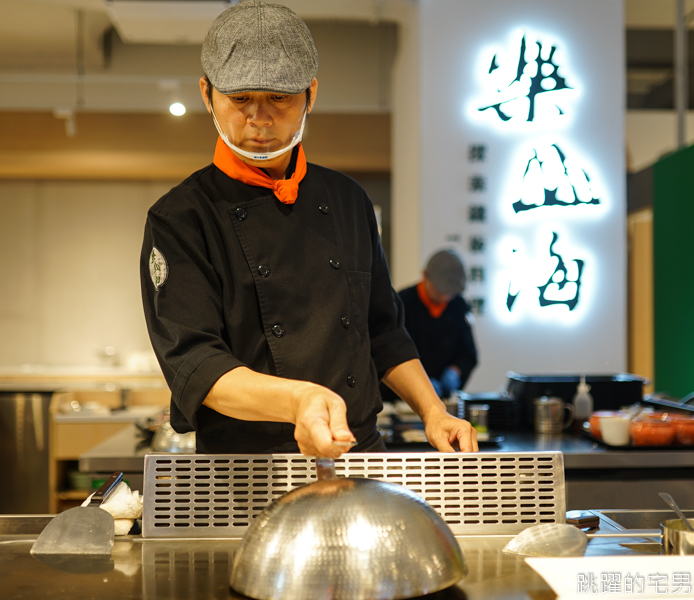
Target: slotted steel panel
pixel 217 495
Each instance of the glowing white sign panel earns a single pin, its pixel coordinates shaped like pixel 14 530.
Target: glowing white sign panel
pixel 523 83
pixel 543 279
pixel 549 178
pixel 550 190
pixel 527 181
pixel 545 177
pixel 552 179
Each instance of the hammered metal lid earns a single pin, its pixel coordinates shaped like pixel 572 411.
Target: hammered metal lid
pixel 347 539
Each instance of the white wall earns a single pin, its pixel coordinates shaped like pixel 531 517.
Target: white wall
pixel 405 264
pixel 69 256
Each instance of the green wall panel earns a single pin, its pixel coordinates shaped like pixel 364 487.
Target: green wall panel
pixel 673 277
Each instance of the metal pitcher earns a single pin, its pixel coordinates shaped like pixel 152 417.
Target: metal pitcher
pixel 549 414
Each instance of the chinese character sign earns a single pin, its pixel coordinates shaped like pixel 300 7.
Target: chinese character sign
pixel 544 275
pixel 523 80
pixel 552 179
pixel 522 170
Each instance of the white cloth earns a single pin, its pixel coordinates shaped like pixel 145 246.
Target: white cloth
pixel 123 526
pixel 123 505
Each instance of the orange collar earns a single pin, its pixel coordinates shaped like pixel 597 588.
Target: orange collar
pixel 286 190
pixel 435 310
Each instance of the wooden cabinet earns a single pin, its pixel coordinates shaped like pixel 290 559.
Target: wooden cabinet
pixel 68 442
pixel 72 436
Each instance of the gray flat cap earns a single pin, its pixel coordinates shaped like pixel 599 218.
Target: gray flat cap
pixel 446 271
pixel 258 47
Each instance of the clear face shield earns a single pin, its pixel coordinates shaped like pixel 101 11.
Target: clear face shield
pixel 261 155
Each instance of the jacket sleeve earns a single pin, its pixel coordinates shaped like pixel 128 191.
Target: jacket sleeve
pixel 391 345
pixel 182 299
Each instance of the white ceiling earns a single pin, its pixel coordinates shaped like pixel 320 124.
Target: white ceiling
pixel 63 53
pixel 116 55
pixel 42 34
pixel 162 22
pixel 31 28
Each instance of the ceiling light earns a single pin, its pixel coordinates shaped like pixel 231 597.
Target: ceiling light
pixel 177 109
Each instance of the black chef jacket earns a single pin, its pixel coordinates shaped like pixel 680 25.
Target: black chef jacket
pixel 443 342
pixel 232 277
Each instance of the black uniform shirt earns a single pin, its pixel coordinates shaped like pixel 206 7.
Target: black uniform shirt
pixel 231 277
pixel 443 342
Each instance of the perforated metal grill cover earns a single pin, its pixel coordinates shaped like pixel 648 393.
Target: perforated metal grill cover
pixel 217 495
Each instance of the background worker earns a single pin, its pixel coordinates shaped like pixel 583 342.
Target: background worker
pixel 438 320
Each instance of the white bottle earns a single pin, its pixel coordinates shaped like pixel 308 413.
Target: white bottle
pixel 583 401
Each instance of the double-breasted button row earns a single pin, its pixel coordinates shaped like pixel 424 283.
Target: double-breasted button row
pixel 242 214
pixel 263 270
pixel 279 331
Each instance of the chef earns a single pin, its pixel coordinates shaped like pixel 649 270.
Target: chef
pixel 438 319
pixel 266 291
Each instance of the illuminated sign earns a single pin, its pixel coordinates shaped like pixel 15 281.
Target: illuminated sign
pixel 551 189
pixel 560 287
pixel 523 172
pixel 523 83
pixel 552 179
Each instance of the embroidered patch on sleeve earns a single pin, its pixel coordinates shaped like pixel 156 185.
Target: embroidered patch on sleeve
pixel 158 269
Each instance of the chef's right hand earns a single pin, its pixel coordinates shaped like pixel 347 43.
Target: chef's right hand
pixel 320 419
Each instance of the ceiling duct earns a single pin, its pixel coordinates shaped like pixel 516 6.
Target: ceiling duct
pixel 164 21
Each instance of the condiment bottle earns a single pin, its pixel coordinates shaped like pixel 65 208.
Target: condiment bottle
pixel 583 403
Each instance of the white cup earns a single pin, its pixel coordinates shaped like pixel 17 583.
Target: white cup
pixel 615 430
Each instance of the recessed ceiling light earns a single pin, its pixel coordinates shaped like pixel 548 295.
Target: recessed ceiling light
pixel 177 109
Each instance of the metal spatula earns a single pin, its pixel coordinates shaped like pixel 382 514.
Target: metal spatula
pixel 81 530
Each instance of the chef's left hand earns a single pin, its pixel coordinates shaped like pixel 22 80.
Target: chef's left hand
pixel 444 432
pixel 448 434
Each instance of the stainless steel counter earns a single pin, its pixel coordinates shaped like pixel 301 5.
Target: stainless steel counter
pixel 122 452
pixel 199 569
pixel 595 475
pixel 580 452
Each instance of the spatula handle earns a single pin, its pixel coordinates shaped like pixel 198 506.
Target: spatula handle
pixel 105 490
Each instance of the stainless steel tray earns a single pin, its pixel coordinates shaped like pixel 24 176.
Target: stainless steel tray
pixel 217 495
